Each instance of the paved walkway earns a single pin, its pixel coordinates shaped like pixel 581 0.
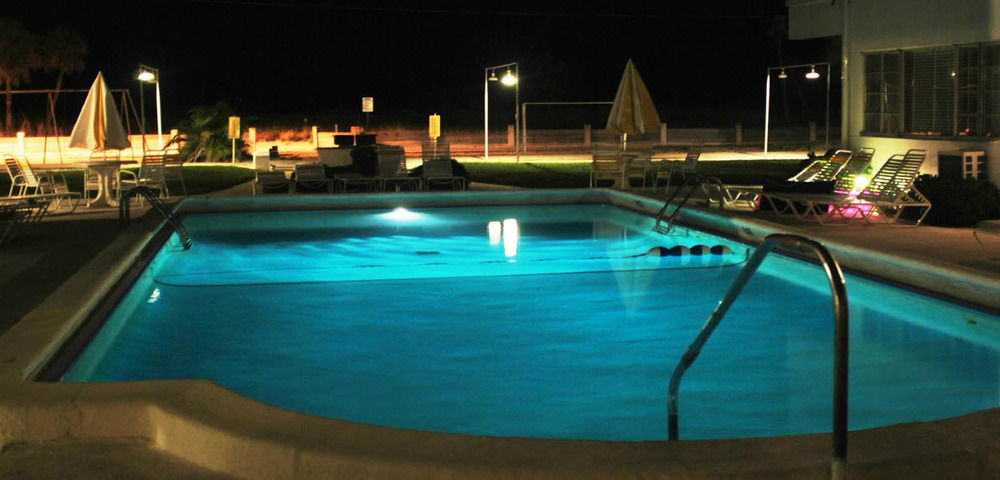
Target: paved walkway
pixel 46 254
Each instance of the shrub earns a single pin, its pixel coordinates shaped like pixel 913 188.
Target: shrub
pixel 957 202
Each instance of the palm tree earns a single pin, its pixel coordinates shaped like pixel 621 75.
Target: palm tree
pixel 62 51
pixel 18 56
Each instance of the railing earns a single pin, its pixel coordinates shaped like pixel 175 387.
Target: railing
pixel 840 317
pixel 693 182
pixel 124 213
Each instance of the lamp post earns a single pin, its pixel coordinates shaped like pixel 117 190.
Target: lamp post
pixel 812 74
pixel 150 75
pixel 509 79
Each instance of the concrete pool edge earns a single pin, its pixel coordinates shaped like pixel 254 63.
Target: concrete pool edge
pixel 209 426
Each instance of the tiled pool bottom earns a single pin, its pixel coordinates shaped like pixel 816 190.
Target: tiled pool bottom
pixel 203 424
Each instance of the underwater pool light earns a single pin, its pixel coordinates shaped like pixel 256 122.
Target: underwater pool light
pixel 401 214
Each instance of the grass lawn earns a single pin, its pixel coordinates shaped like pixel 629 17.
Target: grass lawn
pixel 577 175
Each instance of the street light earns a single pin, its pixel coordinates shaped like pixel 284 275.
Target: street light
pixel 812 74
pixel 510 78
pixel 150 75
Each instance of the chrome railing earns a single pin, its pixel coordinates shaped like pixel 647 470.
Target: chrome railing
pixel 840 318
pixel 693 182
pixel 124 212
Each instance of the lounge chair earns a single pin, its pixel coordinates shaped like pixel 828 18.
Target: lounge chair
pixel 439 171
pixel 606 164
pixel 432 149
pixel 639 163
pixel 29 183
pixel 685 169
pixel 824 170
pixel 270 182
pixel 310 176
pixel 888 194
pixel 392 173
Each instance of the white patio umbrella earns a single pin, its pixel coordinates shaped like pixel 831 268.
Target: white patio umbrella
pixel 99 127
pixel 633 110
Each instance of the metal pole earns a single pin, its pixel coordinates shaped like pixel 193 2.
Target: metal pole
pixel 517 116
pixel 486 113
pixel 767 108
pixel 827 105
pixel 142 116
pixel 159 118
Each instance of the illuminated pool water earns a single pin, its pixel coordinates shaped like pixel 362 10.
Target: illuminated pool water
pixel 445 320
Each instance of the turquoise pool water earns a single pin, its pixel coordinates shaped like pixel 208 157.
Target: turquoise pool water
pixel 445 320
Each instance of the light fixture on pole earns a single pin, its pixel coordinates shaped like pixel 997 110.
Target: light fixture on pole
pixel 509 79
pixel 149 74
pixel 812 74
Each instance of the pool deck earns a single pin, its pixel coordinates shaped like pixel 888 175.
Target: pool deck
pixel 46 255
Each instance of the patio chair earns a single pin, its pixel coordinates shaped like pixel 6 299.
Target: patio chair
pixel 888 194
pixel 271 182
pixel 606 164
pixel 392 169
pixel 686 168
pixel 439 171
pixel 151 174
pixel 640 162
pixel 29 183
pixel 310 176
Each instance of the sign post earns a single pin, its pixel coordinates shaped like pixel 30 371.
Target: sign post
pixel 234 133
pixel 367 106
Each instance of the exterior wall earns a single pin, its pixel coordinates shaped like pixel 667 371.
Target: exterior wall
pixel 874 25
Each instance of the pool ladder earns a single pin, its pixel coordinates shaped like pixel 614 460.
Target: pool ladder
pixel 154 200
pixel 693 182
pixel 840 318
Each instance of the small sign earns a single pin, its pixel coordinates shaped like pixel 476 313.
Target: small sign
pixel 435 126
pixel 367 104
pixel 234 127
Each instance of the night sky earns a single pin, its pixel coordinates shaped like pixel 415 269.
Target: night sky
pixel 703 62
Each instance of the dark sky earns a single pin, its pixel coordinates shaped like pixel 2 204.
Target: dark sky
pixel 318 58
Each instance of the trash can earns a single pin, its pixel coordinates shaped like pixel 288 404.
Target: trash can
pixel 962 164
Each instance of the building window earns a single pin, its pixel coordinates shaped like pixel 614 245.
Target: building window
pixel 949 91
pixel 883 92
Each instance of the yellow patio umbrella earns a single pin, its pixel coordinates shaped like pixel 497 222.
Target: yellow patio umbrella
pixel 633 110
pixel 99 127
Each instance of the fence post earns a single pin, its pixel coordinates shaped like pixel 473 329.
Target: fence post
pixel 739 134
pixel 251 135
pixel 510 135
pixel 315 136
pixel 812 132
pixel 663 134
pixel 586 135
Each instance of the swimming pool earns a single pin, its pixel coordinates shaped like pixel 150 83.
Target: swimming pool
pixel 446 320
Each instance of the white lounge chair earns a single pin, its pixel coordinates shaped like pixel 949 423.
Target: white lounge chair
pixel 439 171
pixel 311 176
pixel 392 173
pixel 28 183
pixel 270 182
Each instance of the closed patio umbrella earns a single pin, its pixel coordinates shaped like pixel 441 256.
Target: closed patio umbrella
pixel 633 110
pixel 99 127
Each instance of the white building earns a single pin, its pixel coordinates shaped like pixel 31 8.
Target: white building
pixel 918 74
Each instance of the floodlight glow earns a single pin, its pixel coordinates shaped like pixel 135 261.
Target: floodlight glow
pixel 813 74
pixel 146 76
pixel 401 214
pixel 511 235
pixel 494 229
pixel 508 79
pixel 860 182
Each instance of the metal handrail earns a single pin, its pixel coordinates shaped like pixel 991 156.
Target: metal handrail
pixel 693 182
pixel 154 200
pixel 840 318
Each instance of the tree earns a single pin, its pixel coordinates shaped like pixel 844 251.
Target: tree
pixel 62 51
pixel 18 56
pixel 206 130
